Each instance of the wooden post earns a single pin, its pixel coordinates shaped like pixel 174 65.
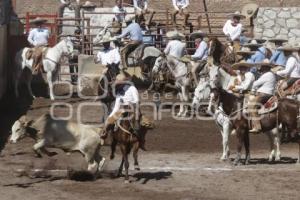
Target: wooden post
pixel 27 22
pixel 167 23
pixel 206 14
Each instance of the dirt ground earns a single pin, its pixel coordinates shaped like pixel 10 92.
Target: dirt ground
pixel 182 162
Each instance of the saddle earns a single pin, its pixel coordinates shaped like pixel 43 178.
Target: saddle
pixel 269 106
pixel 292 90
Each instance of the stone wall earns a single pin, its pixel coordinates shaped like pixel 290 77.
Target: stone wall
pixel 278 23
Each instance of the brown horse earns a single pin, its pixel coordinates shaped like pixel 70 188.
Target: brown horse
pixel 127 140
pixel 286 115
pixel 223 55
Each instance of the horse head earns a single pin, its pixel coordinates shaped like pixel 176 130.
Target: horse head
pixel 216 49
pixel 67 47
pixel 214 74
pixel 159 64
pixel 103 32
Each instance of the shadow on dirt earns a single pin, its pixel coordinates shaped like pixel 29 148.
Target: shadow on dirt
pixel 148 176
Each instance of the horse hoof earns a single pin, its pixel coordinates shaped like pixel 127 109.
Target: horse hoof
pixel 112 157
pixel 126 181
pixel 137 168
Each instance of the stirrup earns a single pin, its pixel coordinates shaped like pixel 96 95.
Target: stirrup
pixel 255 131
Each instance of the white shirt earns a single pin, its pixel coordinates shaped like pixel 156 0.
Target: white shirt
pixel 292 68
pixel 119 13
pixel 246 84
pixel 38 37
pixel 266 83
pixel 140 4
pixel 130 96
pixel 180 4
pixel 109 56
pixel 175 48
pixel 201 52
pixel 234 32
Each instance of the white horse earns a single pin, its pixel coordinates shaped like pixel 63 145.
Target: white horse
pixel 50 64
pixel 179 70
pixel 202 91
pixel 220 78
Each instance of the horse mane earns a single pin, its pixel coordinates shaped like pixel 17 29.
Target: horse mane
pixel 218 49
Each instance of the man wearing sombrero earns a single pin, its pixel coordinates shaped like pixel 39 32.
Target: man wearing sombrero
pixel 292 68
pixel 175 46
pixel 38 38
pixel 246 77
pixel 134 31
pixel 127 98
pixel 260 51
pixel 199 58
pixel 233 28
pixel 109 56
pixel 278 57
pixel 263 89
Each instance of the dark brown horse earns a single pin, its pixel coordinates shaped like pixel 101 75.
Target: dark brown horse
pixel 286 115
pixel 127 141
pixel 223 55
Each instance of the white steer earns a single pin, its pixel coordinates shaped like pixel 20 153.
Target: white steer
pixel 62 134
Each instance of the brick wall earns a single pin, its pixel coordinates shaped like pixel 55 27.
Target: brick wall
pixel 50 6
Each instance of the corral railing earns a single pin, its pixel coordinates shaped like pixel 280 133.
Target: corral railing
pixel 209 22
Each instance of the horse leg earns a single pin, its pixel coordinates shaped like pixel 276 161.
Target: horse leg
pixel 247 147
pixel 125 151
pixel 135 156
pixel 240 140
pixel 113 148
pixel 272 149
pixel 181 109
pixel 225 135
pixel 50 83
pixel 28 84
pixel 277 143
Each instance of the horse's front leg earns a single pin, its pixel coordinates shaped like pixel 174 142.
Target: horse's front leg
pixel 135 156
pixel 28 84
pixel 50 83
pixel 247 147
pixel 240 140
pixel 271 142
pixel 181 109
pixel 125 152
pixel 225 136
pixel 277 140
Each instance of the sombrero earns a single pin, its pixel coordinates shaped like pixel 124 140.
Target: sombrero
pixel 245 52
pixel 243 63
pixel 289 48
pixel 122 78
pixel 88 4
pixel 265 63
pixel 174 35
pixel 252 43
pixel 129 18
pixel 38 20
pixel 278 40
pixel 236 14
pixel 107 38
pixel 249 10
pixel 260 40
pixel 197 34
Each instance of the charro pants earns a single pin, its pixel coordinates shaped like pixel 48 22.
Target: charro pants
pixel 181 12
